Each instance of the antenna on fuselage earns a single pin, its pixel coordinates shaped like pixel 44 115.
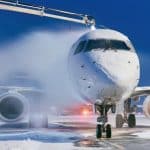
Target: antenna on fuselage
pixel 47 12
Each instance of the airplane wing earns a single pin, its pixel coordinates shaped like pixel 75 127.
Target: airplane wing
pixel 141 91
pixel 21 89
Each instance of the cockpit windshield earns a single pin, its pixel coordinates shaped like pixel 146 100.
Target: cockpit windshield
pixel 106 44
pixel 80 47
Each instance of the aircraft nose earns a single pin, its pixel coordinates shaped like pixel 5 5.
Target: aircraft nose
pixel 120 67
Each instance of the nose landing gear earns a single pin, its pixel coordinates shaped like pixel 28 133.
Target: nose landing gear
pixel 102 126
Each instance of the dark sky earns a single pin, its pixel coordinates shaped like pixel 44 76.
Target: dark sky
pixel 131 17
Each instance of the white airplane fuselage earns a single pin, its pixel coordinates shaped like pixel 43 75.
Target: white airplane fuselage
pixel 104 66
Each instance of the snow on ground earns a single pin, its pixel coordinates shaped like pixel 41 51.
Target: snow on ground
pixel 20 145
pixel 34 145
pixel 38 140
pixel 46 136
pixel 52 139
pixel 144 134
pixel 142 120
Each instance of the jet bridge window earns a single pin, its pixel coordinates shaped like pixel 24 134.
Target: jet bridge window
pixel 80 47
pixel 105 45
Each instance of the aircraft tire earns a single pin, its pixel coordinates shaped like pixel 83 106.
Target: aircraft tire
pixel 99 131
pixel 108 131
pixel 131 121
pixel 119 121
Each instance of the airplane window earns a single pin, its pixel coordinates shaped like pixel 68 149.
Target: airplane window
pixel 105 45
pixel 116 44
pixel 80 47
pixel 95 44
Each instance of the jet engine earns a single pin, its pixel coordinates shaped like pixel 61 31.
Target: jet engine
pixel 13 106
pixel 146 106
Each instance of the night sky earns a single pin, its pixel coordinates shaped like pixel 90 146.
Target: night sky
pixel 131 17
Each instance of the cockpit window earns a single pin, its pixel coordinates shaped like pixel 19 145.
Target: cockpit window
pixel 106 44
pixel 116 44
pixel 95 44
pixel 80 47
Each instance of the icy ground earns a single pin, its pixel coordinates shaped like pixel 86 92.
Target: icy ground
pixel 67 137
pixel 42 140
pixel 33 145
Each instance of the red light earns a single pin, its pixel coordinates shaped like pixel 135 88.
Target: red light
pixel 85 112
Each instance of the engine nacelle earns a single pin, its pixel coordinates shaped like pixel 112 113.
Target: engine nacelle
pixel 13 106
pixel 146 106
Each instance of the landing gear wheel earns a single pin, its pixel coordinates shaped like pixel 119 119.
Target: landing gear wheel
pixel 131 121
pixel 119 121
pixel 108 131
pixel 102 120
pixel 38 121
pixel 99 131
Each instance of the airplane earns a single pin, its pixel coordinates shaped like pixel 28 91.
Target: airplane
pixel 104 67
